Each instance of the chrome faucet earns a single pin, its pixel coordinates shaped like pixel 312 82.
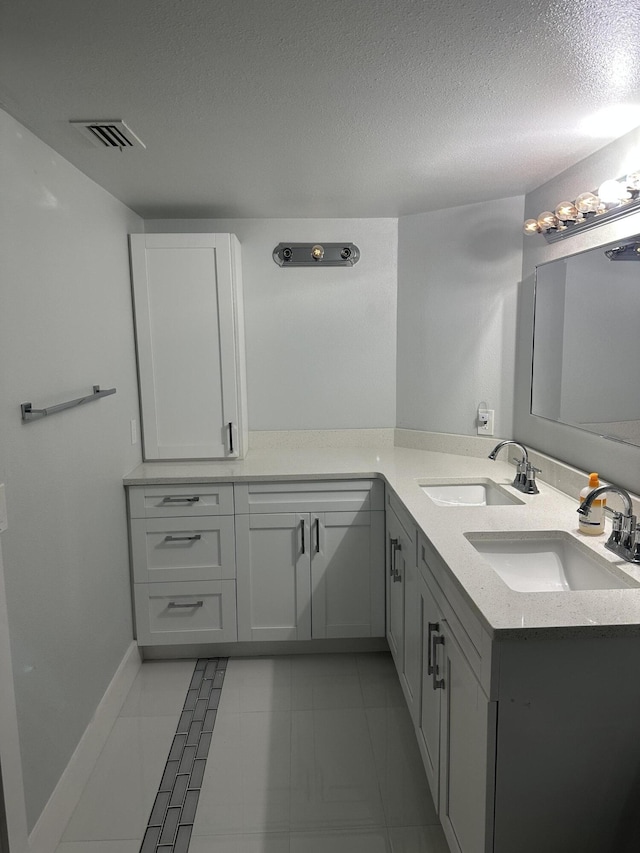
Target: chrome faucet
pixel 525 479
pixel 625 535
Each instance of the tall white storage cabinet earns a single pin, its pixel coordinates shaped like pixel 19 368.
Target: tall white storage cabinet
pixel 187 291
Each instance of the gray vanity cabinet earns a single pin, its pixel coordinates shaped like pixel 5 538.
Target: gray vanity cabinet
pixel 456 723
pixel 402 607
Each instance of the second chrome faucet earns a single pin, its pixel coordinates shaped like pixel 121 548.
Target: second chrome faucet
pixel 525 479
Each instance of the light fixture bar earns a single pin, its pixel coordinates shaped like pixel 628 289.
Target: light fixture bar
pixel 316 254
pixel 592 221
pixel 612 200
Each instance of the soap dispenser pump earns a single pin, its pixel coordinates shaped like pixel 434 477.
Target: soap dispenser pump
pixel 592 524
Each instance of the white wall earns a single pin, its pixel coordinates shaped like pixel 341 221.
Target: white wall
pixel 65 325
pixel 615 462
pixel 458 272
pixel 321 343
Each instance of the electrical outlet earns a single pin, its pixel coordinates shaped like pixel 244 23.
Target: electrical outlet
pixel 485 421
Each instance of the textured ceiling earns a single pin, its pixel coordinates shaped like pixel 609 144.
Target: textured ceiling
pixel 340 108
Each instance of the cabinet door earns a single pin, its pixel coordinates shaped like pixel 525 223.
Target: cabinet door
pixel 273 576
pixel 410 679
pixel 466 717
pixel 428 728
pixel 186 329
pixel 347 587
pixel 395 596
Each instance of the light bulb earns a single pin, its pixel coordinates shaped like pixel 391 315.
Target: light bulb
pixel 566 211
pixel 611 193
pixel 531 226
pixel 587 203
pixel 632 183
pixel 317 252
pixel 547 221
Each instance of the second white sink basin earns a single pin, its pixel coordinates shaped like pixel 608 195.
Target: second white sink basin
pixel 554 562
pixel 464 493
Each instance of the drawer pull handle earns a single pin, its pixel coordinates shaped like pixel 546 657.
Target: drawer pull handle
pixel 317 535
pixel 438 683
pixel 183 538
pixel 173 605
pixel 175 500
pixel 302 531
pixel 397 577
pixel 230 436
pixel 393 544
pixel 433 626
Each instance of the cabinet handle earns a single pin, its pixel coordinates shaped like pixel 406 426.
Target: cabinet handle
pixel 432 626
pixel 397 577
pixel 230 436
pixel 174 605
pixel 183 538
pixel 438 683
pixel 317 535
pixel 180 500
pixel 302 533
pixel 393 544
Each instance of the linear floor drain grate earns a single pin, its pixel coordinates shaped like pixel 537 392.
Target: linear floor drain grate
pixel 174 810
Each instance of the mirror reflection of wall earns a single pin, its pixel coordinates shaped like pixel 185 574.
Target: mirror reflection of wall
pixel 586 362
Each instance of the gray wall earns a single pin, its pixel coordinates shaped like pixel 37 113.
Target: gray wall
pixel 65 325
pixel 321 343
pixel 614 462
pixel 458 273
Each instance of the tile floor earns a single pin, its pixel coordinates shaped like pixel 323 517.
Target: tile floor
pixel 310 754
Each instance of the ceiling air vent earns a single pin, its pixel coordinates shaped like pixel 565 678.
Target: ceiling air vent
pixel 109 134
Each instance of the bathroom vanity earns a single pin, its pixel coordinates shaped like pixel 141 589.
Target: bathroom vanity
pixel 526 704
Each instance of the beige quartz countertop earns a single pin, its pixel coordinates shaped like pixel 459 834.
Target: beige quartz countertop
pixel 506 614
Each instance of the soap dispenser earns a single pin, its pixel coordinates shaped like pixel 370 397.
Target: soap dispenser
pixel 592 524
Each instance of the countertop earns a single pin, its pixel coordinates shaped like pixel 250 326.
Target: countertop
pixel 505 613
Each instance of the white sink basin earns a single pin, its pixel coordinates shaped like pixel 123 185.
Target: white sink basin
pixel 554 562
pixel 464 493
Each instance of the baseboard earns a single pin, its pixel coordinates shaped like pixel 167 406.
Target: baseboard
pixel 47 832
pixel 263 647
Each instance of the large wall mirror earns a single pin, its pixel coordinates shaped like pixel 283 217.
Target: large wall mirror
pixel 586 348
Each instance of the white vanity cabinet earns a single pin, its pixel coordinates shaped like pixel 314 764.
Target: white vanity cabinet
pixel 187 291
pixel 183 563
pixel 310 560
pixel 456 726
pixel 402 601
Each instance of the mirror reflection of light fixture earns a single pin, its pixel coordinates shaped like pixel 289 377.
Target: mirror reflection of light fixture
pixel 316 254
pixel 612 200
pixel 626 252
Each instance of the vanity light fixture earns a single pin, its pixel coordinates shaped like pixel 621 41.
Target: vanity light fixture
pixel 316 254
pixel 612 200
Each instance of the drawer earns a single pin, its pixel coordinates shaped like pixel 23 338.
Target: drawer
pixel 193 612
pixel 305 496
pixel 183 549
pixel 167 501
